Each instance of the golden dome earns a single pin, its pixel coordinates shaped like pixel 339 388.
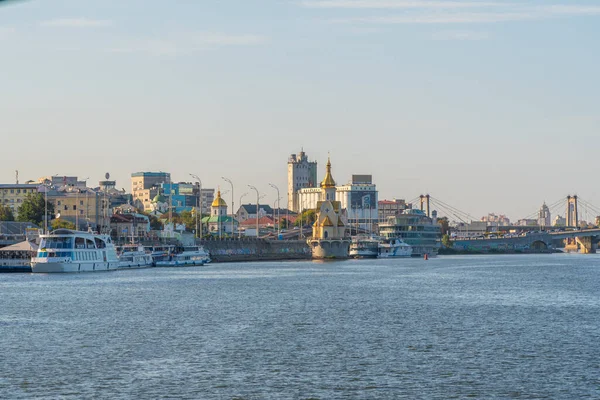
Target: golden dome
pixel 219 202
pixel 328 182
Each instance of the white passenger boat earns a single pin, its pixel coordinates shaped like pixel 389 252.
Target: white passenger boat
pixel 364 246
pixel 394 247
pixel 65 250
pixel 189 256
pixel 132 256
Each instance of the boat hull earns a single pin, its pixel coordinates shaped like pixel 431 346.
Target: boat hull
pixel 179 263
pixel 67 267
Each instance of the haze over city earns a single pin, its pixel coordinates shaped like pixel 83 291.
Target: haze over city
pixel 489 106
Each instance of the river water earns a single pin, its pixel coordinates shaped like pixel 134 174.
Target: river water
pixel 521 327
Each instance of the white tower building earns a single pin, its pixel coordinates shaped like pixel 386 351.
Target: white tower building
pixel 301 174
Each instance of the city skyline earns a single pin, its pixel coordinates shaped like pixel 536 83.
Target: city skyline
pixel 485 105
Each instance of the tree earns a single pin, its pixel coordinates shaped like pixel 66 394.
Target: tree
pixel 444 225
pixel 62 224
pixel 446 241
pixel 308 218
pixel 6 213
pixel 155 223
pixel 284 223
pixel 189 219
pixel 32 209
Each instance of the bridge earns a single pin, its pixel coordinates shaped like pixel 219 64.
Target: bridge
pixel 539 238
pixel 584 240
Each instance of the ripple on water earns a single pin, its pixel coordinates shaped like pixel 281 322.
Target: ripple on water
pixel 452 327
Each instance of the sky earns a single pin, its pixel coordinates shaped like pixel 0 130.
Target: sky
pixel 489 106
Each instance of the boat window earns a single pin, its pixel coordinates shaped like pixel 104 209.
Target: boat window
pixel 100 243
pixel 79 243
pixel 57 243
pixel 90 244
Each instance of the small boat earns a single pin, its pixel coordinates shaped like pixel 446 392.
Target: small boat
pixel 132 256
pixel 364 246
pixel 394 247
pixel 188 256
pixel 65 250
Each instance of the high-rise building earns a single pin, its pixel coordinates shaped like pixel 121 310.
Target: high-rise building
pixel 145 186
pixel 301 174
pixel 544 217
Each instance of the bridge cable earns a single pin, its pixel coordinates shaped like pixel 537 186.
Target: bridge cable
pixel 465 214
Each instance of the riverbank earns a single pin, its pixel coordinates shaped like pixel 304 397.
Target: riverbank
pixel 236 250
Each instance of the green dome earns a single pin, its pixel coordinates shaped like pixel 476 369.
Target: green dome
pixel 159 198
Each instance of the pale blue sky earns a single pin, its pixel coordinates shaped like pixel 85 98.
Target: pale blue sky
pixel 491 106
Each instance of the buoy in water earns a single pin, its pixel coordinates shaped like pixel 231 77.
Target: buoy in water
pixel 426 257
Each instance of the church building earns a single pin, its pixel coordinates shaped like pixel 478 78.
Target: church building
pixel 330 234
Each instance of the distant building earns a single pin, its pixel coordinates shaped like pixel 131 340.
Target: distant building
pixel 391 208
pixel 544 217
pixel 527 222
pixel 185 196
pixel 496 220
pixel 58 181
pixel 81 206
pixel 559 221
pixel 219 223
pixel 248 211
pixel 301 174
pixel 145 186
pixel 126 226
pixel 359 198
pixel 472 229
pixel 13 195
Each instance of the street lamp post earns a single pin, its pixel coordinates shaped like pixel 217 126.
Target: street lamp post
pixel 300 208
pixel 278 208
pixel 257 200
pixel 198 204
pixel 232 208
pixel 239 231
pixel 46 209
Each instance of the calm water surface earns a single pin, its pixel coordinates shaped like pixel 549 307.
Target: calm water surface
pixel 522 327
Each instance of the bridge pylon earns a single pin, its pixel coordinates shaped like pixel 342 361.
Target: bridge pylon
pixel 572 216
pixel 424 201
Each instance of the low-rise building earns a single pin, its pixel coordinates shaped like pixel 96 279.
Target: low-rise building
pixel 84 207
pixel 391 208
pixel 124 226
pixel 248 211
pixel 13 195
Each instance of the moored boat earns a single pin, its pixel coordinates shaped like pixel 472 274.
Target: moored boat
pixel 364 246
pixel 188 256
pixel 394 247
pixel 65 250
pixel 132 256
